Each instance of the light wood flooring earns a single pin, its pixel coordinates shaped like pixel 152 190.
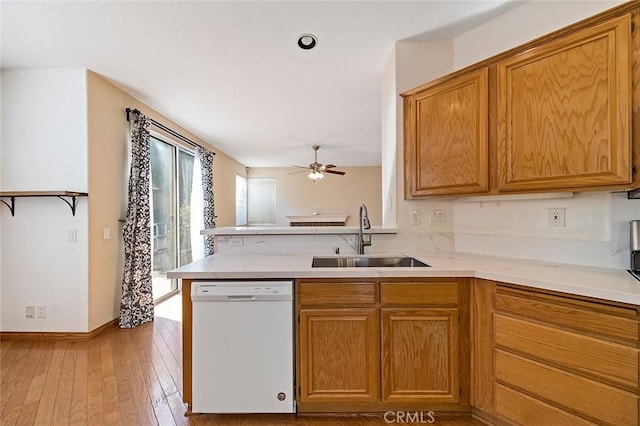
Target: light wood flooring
pixel 128 377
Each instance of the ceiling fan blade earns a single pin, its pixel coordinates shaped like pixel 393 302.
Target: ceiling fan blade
pixel 335 172
pixel 300 167
pixel 330 166
pixel 300 171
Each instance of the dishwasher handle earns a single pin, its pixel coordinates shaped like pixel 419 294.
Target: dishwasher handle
pixel 241 297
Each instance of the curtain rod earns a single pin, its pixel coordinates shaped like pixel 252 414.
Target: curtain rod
pixel 166 129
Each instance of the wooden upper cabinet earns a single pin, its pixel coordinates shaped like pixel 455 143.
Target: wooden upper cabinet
pixel 446 137
pixel 564 111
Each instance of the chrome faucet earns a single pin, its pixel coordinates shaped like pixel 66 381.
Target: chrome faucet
pixel 363 223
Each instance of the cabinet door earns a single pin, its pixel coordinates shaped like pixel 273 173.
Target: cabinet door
pixel 420 355
pixel 565 112
pixel 339 350
pixel 446 133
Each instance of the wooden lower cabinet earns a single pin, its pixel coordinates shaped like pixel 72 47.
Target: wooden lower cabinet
pixel 339 350
pixel 420 357
pixel 383 345
pixel 554 358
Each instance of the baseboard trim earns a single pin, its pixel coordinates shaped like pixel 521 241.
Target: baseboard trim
pixel 67 336
pixel 487 418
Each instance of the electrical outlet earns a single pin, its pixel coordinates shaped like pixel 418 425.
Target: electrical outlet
pixel 29 311
pixel 556 217
pixel 416 217
pixel 41 311
pixel 438 217
pixel 106 234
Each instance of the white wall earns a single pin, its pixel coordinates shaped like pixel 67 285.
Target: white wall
pixel 389 119
pixel 44 147
pixel 411 63
pixel 596 231
pixel 525 23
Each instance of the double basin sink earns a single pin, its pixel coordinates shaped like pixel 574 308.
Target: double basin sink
pixel 367 262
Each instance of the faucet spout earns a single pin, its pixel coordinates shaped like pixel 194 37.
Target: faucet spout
pixel 363 223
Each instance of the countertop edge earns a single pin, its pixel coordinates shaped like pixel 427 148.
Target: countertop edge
pixel 605 284
pixel 295 230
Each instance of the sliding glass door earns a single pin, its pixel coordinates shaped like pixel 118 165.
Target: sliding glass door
pixel 171 184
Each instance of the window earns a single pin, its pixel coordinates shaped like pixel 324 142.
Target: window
pixel 171 184
pixel 261 201
pixel 241 200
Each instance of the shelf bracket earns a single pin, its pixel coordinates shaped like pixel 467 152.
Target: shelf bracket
pixel 12 206
pixel 71 204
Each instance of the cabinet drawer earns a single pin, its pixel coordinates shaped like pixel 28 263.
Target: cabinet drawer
pixel 601 403
pixel 329 293
pixel 531 411
pixel 607 321
pixel 605 360
pixel 420 293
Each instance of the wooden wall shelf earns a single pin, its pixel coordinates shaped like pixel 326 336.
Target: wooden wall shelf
pixel 69 197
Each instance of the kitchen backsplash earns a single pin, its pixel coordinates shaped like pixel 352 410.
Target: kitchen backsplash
pixel 325 244
pixel 596 233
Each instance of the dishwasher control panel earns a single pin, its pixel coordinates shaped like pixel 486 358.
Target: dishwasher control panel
pixel 242 290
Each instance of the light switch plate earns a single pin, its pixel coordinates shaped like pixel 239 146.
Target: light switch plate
pixel 416 217
pixel 438 217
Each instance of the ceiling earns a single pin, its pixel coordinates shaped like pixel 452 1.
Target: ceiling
pixel 232 73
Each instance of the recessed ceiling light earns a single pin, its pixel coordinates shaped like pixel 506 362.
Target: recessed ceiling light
pixel 307 41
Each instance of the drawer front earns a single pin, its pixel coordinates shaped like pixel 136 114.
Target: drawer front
pixel 596 401
pixel 327 293
pixel 593 318
pixel 530 411
pixel 605 360
pixel 420 293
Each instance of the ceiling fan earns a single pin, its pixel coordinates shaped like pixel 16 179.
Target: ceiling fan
pixel 317 170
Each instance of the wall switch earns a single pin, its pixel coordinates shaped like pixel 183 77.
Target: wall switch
pixel 438 217
pixel 41 311
pixel 416 217
pixel 236 242
pixel 106 233
pixel 72 235
pixel 556 217
pixel 29 311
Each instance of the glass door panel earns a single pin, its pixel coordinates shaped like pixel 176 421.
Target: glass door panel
pixel 171 185
pixel 185 183
pixel 162 216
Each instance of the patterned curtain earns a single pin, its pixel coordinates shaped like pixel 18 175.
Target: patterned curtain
pixel 209 212
pixel 136 306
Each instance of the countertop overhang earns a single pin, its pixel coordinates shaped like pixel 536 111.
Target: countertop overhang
pixel 294 230
pixel 615 285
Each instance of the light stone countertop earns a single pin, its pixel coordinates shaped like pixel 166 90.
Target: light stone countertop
pixel 602 283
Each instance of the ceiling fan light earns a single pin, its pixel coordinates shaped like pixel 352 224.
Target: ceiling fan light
pixel 315 175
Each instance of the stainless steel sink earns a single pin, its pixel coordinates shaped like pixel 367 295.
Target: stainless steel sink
pixel 367 262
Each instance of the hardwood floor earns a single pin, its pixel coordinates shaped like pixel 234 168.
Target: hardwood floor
pixel 128 377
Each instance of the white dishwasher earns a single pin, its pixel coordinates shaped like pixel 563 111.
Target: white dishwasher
pixel 242 347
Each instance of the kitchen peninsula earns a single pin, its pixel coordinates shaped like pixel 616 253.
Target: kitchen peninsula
pixel 496 324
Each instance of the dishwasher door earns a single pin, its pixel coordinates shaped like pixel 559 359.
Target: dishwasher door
pixel 242 347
